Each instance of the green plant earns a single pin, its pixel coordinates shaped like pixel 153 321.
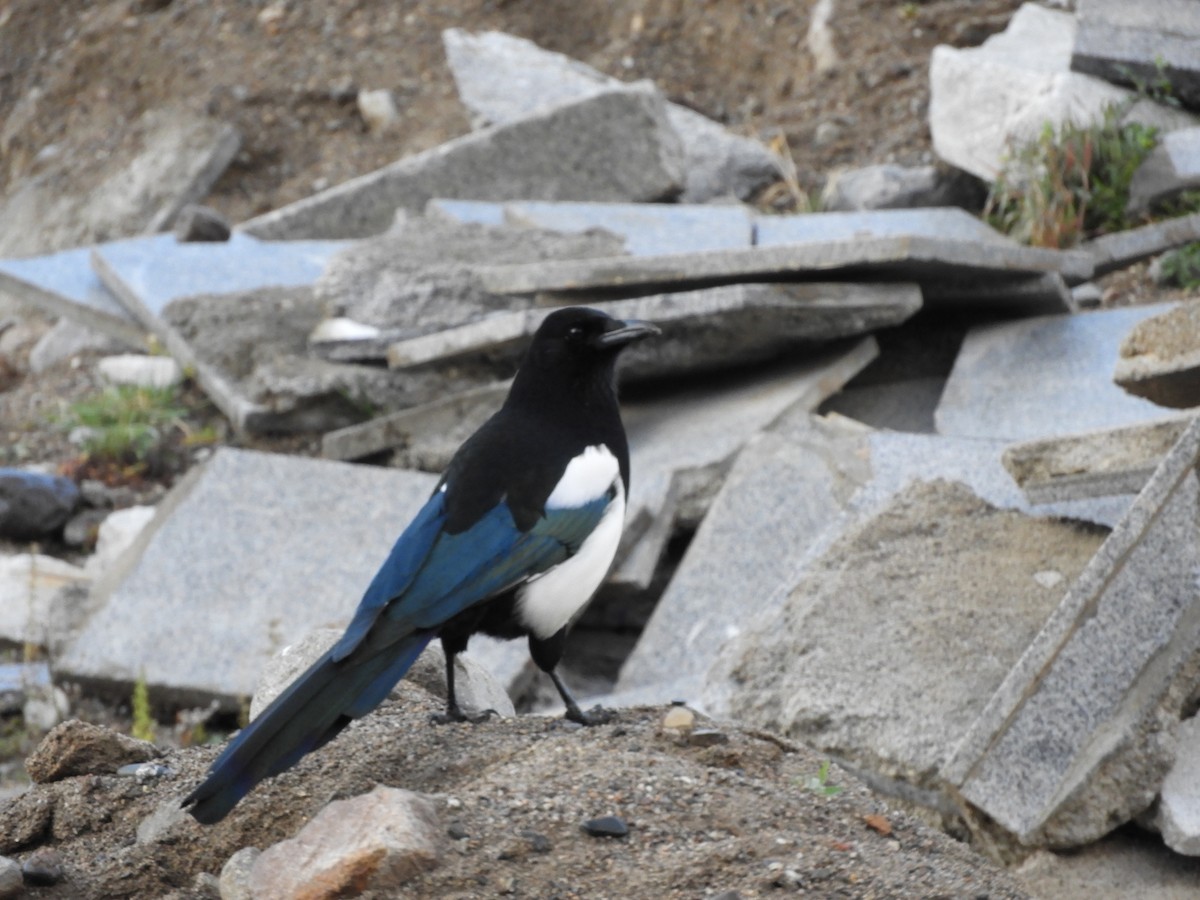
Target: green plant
pixel 819 783
pixel 143 727
pixel 1182 267
pixel 124 424
pixel 1070 183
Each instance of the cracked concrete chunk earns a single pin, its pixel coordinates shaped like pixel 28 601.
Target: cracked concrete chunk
pixel 1160 358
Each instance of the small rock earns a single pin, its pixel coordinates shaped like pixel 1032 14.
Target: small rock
pixel 378 109
pixel 68 339
pixel 606 826
pixel 33 504
pixel 116 534
pixel 45 707
pixel 79 748
pixel 679 718
pixel 145 772
pixel 207 885
pixel 457 831
pixel 11 881
pixel 707 737
pixel 43 868
pixel 235 874
pixel 83 528
pixel 138 370
pixel 196 224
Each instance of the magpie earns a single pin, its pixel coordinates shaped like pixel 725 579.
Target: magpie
pixel 513 542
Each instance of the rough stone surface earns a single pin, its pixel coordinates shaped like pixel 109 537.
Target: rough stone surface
pixel 888 186
pixel 1095 464
pixel 12 884
pixel 67 339
pixel 79 748
pixel 1144 42
pixel 235 874
pixel 182 156
pixel 200 223
pixel 1043 377
pixel 1079 735
pixel 890 644
pixel 1171 168
pixel 1178 813
pixel 984 100
pixel 29 584
pixel 502 78
pixel 614 146
pixel 647 229
pixel 940 223
pixel 297 542
pixel 34 504
pixel 1160 358
pixel 378 841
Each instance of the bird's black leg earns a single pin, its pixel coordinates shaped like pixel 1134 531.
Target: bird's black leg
pixel 454 712
pixel 546 654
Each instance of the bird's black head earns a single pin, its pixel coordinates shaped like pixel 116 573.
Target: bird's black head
pixel 576 349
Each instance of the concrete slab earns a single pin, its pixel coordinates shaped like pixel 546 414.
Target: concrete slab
pixel 614 146
pixel 901 258
pixel 247 554
pixel 1075 740
pixel 502 78
pixel 1122 249
pixel 1096 464
pixel 1171 168
pixel 1043 377
pixel 1141 43
pixel 648 229
pixel 29 583
pixel 1160 358
pixel 703 329
pixel 948 223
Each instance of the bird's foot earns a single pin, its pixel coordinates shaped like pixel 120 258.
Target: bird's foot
pixel 455 714
pixel 597 715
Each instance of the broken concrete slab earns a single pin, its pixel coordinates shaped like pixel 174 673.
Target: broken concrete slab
pixel 986 100
pixel 181 157
pixel 244 537
pixel 502 79
pixel 790 493
pixel 884 650
pixel 1141 43
pixel 1178 814
pixel 1043 377
pixel 1096 464
pixel 29 583
pixel 614 146
pixel 1079 735
pixel 1122 249
pixel 1160 358
pixel 914 258
pixel 703 329
pixel 949 223
pixel 1171 168
pixel 648 229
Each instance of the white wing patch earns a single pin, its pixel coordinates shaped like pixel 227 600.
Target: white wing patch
pixel 547 602
pixel 587 477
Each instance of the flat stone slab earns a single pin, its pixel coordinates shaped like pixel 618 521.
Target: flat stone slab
pixel 1096 464
pixel 1171 168
pixel 648 229
pixel 1178 814
pixel 1122 249
pixel 949 223
pixel 1144 42
pixel 182 155
pixel 1043 377
pixel 792 491
pixel 247 554
pixel 1160 358
pixel 1072 743
pixel 885 648
pixel 984 100
pixel 702 329
pixel 901 258
pixel 614 146
pixel 502 78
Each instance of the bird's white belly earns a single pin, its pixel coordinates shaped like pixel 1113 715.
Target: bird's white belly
pixel 548 602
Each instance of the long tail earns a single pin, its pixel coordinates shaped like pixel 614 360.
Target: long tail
pixel 310 712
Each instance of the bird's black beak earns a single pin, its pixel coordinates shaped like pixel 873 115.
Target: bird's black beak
pixel 626 333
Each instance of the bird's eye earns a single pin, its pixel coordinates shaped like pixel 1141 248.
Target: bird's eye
pixel 574 332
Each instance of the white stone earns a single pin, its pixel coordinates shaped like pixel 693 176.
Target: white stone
pixel 116 534
pixel 28 584
pixel 138 370
pixel 1179 802
pixel 378 109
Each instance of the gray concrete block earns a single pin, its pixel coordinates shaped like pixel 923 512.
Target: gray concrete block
pixel 888 186
pixel 248 553
pixel 1132 43
pixel 1043 377
pixel 648 229
pixel 1171 168
pixel 1160 358
pixel 1122 249
pixel 1077 738
pixel 502 78
pixel 1096 464
pixel 614 146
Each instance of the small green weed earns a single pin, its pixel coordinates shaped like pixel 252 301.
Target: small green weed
pixel 125 424
pixel 819 783
pixel 1182 267
pixel 143 727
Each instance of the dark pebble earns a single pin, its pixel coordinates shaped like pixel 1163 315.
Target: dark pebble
pixel 707 737
pixel 457 831
pixel 606 826
pixel 538 843
pixel 43 868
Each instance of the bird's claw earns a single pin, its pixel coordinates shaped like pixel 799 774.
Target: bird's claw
pixel 457 715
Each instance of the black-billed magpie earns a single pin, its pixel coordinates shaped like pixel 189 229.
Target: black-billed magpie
pixel 513 542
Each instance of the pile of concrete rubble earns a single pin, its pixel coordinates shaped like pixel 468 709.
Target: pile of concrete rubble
pixel 945 509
